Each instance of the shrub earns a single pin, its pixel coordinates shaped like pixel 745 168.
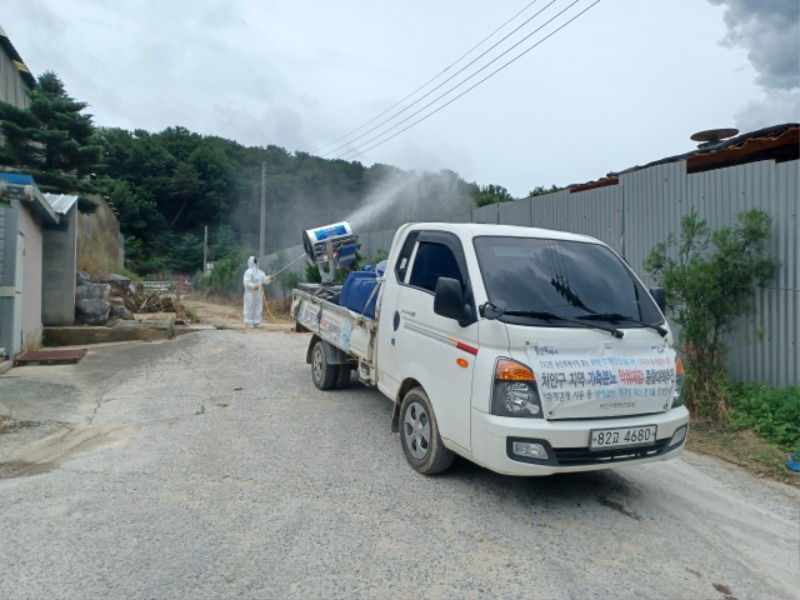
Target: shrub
pixel 709 278
pixel 226 278
pixel 772 412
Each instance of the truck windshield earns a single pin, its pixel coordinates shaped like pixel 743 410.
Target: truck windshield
pixel 569 279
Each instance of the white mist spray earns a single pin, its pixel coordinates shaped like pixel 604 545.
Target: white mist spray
pixel 402 197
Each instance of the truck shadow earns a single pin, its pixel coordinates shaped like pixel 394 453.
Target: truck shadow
pixel 610 489
pixel 570 493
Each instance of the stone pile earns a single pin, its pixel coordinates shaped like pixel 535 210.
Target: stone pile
pixel 115 297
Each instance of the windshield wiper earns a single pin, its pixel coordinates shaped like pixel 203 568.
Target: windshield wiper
pixel 493 311
pixel 613 316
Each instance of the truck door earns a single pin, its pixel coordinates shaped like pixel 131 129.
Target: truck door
pixel 436 350
pixel 388 376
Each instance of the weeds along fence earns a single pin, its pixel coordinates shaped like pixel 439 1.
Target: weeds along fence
pixel 636 210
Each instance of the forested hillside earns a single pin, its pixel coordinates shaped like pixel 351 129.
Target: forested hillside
pixel 168 186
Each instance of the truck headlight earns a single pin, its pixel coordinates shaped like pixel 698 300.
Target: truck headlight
pixel 677 399
pixel 514 393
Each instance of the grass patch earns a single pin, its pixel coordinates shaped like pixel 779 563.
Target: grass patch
pixel 743 448
pixel 759 433
pixel 192 314
pixel 772 412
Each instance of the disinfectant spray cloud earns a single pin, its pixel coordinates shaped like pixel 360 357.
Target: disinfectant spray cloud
pixel 390 197
pixel 402 197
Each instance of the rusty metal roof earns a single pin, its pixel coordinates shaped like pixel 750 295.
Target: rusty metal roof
pixel 779 142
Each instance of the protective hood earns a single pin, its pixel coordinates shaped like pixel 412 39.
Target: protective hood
pixel 251 262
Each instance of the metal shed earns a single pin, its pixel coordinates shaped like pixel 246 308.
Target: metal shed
pixel 24 215
pixel 59 266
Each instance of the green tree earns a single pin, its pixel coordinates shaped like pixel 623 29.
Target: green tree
pixel 492 194
pixel 186 256
pixel 53 134
pixel 226 278
pixel 115 156
pixel 290 280
pixel 225 243
pixel 193 181
pixel 142 224
pixel 709 278
pixel 218 187
pixel 541 190
pixel 184 186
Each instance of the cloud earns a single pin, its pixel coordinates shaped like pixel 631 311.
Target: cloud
pixel 779 106
pixel 770 32
pixel 275 124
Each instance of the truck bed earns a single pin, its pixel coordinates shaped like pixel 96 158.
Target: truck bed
pixel 341 327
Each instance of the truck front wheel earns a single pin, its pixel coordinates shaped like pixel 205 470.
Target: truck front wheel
pixel 419 435
pixel 323 374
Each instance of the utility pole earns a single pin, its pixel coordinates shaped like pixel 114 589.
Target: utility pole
pixel 205 248
pixel 263 224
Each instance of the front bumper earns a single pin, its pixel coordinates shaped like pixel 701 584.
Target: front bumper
pixel 567 443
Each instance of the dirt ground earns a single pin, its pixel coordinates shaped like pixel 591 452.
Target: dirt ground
pixel 227 314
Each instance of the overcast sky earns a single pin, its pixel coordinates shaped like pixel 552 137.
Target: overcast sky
pixel 626 83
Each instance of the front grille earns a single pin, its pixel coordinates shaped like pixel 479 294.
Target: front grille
pixel 573 457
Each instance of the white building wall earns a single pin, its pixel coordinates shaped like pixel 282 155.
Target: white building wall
pixel 32 279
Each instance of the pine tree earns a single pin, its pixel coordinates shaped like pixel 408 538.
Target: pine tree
pixel 53 134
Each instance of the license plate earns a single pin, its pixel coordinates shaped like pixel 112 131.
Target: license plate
pixel 601 439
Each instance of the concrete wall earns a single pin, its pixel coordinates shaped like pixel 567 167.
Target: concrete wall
pixel 59 271
pixel 29 227
pixel 99 239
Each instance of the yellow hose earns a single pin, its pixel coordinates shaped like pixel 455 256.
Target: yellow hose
pixel 266 305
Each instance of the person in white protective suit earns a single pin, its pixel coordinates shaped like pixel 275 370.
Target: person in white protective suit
pixel 254 278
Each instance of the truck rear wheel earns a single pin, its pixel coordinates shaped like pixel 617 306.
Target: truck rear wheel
pixel 343 376
pixel 323 374
pixel 419 435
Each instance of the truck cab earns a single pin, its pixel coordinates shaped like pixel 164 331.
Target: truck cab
pixel 524 350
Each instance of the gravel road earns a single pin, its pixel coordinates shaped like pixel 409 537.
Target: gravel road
pixel 210 467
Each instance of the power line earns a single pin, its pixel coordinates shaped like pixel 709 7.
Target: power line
pixel 453 76
pixel 434 78
pixel 353 152
pixel 459 84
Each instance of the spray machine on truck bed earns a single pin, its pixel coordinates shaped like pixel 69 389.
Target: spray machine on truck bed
pixel 524 350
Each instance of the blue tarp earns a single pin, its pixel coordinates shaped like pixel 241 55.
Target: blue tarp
pixel 17 178
pixel 794 462
pixel 38 202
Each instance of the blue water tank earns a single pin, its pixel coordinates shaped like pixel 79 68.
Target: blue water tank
pixel 359 293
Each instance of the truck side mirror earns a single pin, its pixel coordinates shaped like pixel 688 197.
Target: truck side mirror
pixel 448 300
pixel 660 296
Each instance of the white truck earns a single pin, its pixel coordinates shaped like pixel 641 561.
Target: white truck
pixel 524 350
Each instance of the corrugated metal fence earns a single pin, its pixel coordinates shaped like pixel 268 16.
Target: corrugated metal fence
pixel 645 206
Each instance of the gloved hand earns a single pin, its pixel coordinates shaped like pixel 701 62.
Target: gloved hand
pixel 270 279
